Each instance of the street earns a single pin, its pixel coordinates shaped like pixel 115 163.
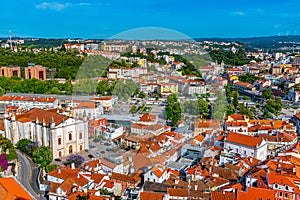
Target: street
pixel 27 175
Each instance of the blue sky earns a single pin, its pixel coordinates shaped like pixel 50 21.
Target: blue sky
pixel 195 18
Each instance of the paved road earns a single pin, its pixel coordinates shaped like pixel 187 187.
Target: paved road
pixel 28 176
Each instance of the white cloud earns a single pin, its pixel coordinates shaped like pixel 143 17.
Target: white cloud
pixel 52 6
pixel 83 4
pixel 239 13
pixel 58 6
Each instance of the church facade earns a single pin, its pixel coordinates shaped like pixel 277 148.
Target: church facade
pixel 62 134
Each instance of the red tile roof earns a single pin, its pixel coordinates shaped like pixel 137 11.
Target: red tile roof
pixel 177 192
pixel 97 177
pixel 67 172
pixel 2 125
pixel 41 115
pixel 25 98
pixel 200 123
pixel 151 196
pixel 148 118
pixel 133 178
pixel 257 193
pixel 244 139
pixel 223 195
pixel 11 189
pixel 86 105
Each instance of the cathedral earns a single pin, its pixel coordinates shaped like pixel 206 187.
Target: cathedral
pixel 64 135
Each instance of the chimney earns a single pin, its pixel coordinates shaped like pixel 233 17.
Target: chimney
pixel 72 165
pixel 279 166
pixel 78 175
pixel 58 170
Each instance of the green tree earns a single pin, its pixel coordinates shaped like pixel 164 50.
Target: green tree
pixel 230 109
pixel 22 144
pixel 203 108
pixel 43 156
pixel 102 87
pixel 267 93
pixel 54 90
pixel 247 78
pixel 235 100
pixel 176 113
pixel 133 109
pixel 245 111
pixel 219 107
pixel 172 99
pixel 85 86
pixel 169 112
pixel 51 167
pixel 83 197
pixel 103 191
pixel 228 93
pixel 124 89
pixel 7 146
pixel 142 95
pixel 173 110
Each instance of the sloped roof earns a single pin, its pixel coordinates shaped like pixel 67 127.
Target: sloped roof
pixel 11 189
pixel 151 196
pixel 243 139
pixel 257 193
pixel 41 115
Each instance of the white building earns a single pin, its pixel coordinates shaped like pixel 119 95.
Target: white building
pixel 156 175
pixel 246 145
pixel 89 109
pixel 29 102
pixel 62 134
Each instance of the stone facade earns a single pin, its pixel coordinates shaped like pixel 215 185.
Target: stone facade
pixel 62 134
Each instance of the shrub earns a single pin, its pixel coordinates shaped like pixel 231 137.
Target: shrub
pixel 76 159
pixel 42 155
pixel 21 145
pixel 51 167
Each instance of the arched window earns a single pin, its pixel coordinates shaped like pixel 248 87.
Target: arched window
pixel 80 147
pixel 70 136
pixel 70 149
pixel 59 141
pixel 59 154
pixel 80 135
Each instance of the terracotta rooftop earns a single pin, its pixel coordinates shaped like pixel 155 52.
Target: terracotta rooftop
pixel 151 196
pixel 11 189
pixel 177 192
pixel 41 115
pixel 25 98
pixel 86 105
pixel 244 139
pixel 148 118
pixel 200 123
pixel 257 193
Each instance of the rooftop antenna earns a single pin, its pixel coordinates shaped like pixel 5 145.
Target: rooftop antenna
pixel 10 40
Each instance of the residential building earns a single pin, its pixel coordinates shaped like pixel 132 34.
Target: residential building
pixel 166 89
pixel 89 109
pixel 246 145
pixel 10 71
pixel 37 72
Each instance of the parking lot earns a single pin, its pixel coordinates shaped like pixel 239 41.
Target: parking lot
pixel 101 148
